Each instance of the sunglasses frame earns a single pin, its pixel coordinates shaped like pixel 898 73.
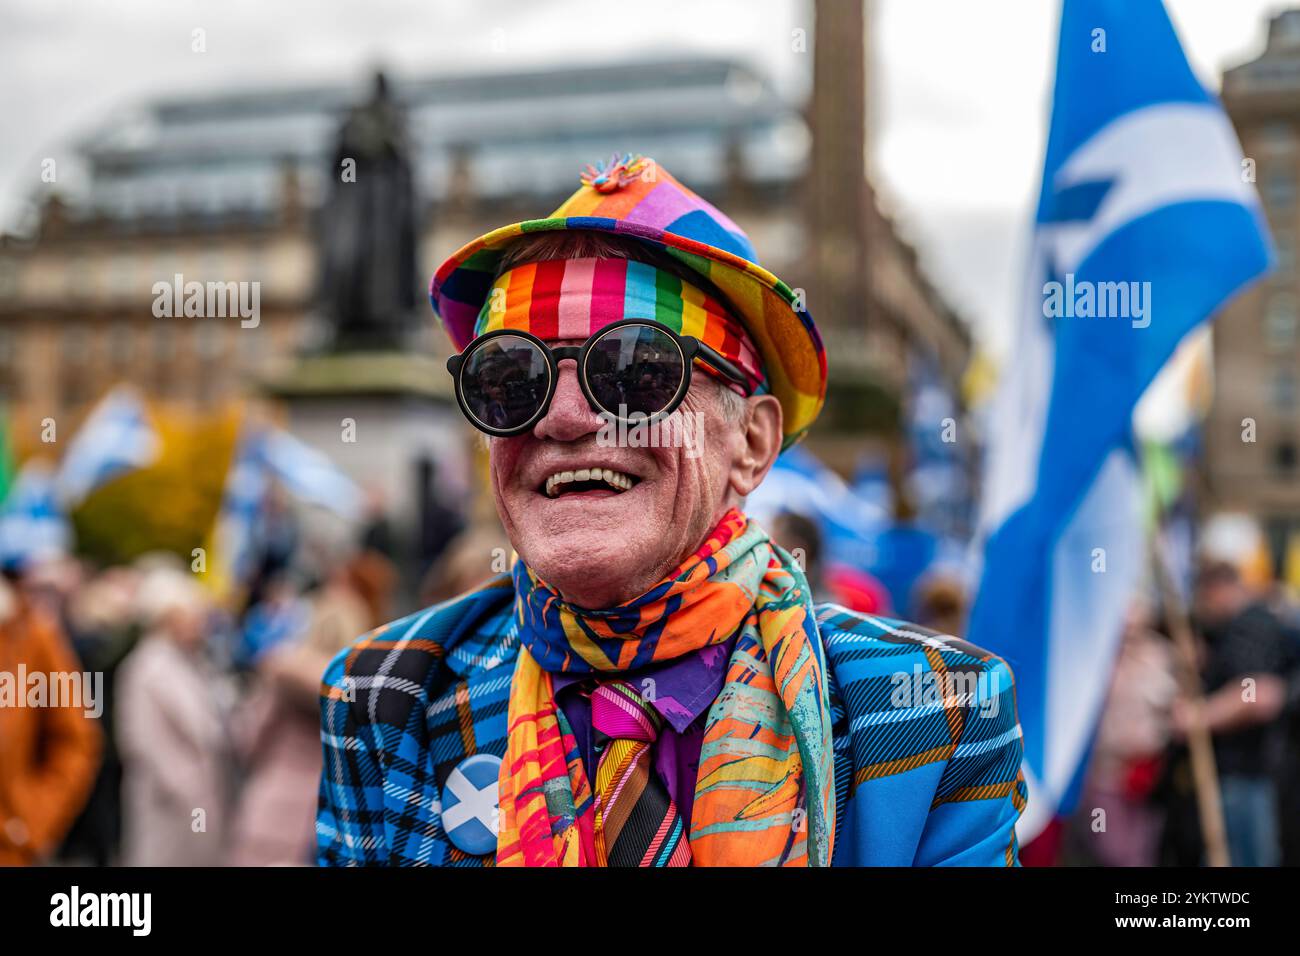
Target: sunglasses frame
pixel 690 347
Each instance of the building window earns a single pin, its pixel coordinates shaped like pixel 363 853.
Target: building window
pixel 121 347
pixel 1280 322
pixel 77 277
pixel 1279 190
pixel 209 343
pixel 257 259
pixel 1284 457
pixel 164 356
pixel 167 262
pixel 8 278
pixel 252 346
pixel 74 344
pixel 8 352
pixel 1284 249
pixel 1277 137
pixel 213 265
pixel 121 276
pixel 1284 390
pixel 164 342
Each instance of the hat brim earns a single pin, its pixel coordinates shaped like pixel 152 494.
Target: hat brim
pixel 783 331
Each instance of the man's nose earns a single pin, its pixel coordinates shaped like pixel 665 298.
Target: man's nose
pixel 570 416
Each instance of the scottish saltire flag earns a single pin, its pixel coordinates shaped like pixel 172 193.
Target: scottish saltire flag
pixel 263 455
pixel 1145 225
pixel 32 525
pixel 116 438
pixel 309 474
pixel 232 544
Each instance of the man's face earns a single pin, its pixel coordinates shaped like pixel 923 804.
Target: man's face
pixel 599 546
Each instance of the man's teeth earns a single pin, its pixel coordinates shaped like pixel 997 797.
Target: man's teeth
pixel 615 479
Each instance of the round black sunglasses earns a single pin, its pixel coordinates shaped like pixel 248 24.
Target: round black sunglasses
pixel 635 371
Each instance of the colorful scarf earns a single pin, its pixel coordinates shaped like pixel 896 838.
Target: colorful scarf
pixel 576 298
pixel 765 794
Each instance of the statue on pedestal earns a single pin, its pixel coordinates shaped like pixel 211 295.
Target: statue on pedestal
pixel 367 237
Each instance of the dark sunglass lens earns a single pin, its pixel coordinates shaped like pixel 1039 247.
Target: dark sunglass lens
pixel 635 369
pixel 504 381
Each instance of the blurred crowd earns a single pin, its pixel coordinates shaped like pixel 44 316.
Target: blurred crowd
pixel 200 743
pixel 1138 804
pixel 1246 665
pixel 203 746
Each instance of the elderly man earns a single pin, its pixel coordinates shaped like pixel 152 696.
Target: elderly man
pixel 652 685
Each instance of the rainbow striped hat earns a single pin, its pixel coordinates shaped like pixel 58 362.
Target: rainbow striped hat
pixel 633 196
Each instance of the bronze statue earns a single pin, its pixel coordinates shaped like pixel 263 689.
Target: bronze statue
pixel 367 245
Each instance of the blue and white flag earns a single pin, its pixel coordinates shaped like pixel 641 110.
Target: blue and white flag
pixel 115 438
pixel 32 525
pixel 801 484
pixel 1145 225
pixel 263 455
pixel 234 543
pixel 309 474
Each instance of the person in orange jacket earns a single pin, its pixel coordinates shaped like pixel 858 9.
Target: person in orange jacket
pixel 48 754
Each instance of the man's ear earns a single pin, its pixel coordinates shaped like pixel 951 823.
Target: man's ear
pixel 760 443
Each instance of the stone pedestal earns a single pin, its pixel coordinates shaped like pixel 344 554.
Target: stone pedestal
pixel 389 420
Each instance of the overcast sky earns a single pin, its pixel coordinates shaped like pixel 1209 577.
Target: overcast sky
pixel 961 87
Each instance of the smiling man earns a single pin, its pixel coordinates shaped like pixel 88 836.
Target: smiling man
pixel 652 685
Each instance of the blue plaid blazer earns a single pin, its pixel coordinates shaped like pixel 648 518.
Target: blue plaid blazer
pixel 927 743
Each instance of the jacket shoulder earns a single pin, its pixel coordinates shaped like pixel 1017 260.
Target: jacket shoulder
pixel 403 662
pixel 896 681
pixel 926 723
pixel 870 643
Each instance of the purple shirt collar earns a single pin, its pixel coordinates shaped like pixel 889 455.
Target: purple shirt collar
pixel 683 688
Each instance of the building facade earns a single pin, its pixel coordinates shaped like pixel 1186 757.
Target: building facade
pixel 224 188
pixel 1253 431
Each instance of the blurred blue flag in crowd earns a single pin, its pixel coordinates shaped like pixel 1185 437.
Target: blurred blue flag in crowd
pixel 856 523
pixel 799 483
pixel 802 484
pixel 937 481
pixel 233 543
pixel 309 474
pixel 32 525
pixel 115 438
pixel 262 455
pixel 1145 225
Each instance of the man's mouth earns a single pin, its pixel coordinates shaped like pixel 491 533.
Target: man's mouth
pixel 598 482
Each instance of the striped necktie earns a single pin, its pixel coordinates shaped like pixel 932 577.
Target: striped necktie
pixel 636 822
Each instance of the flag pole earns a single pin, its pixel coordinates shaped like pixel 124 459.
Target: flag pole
pixel 1200 746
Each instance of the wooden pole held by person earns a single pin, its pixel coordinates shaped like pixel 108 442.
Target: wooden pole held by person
pixel 1200 746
